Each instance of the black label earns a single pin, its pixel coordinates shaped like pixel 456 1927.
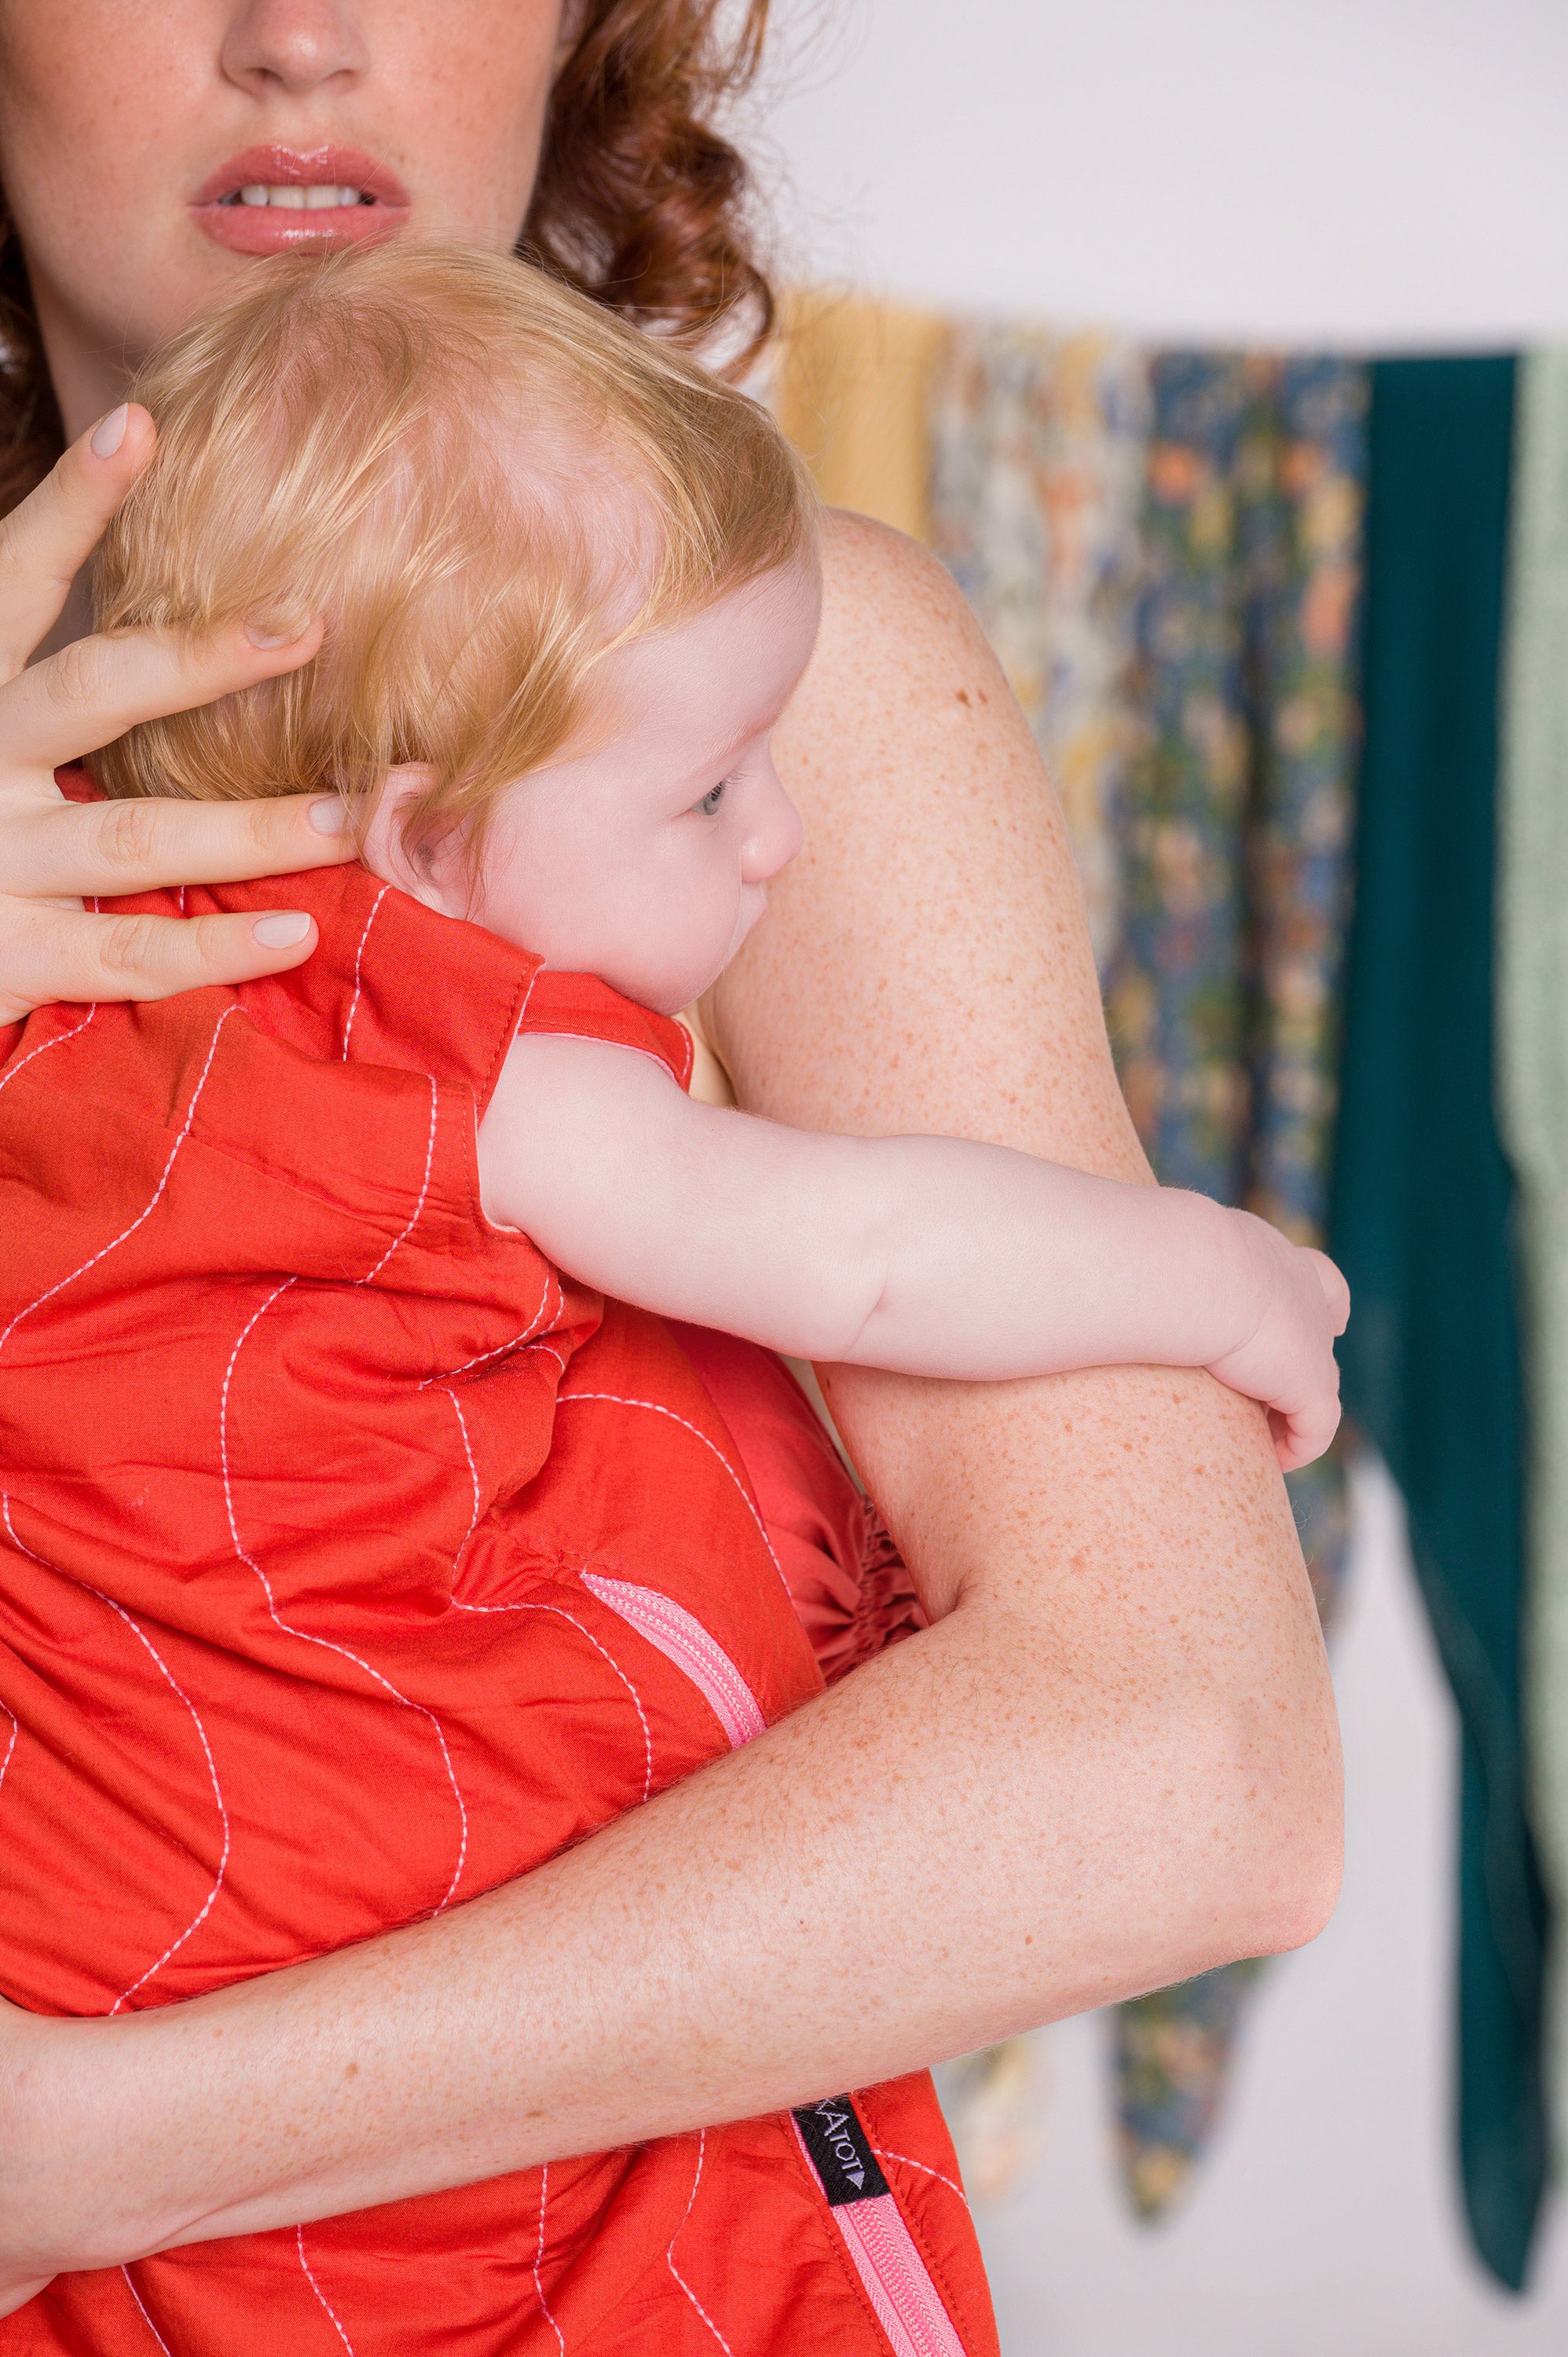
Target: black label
pixel 841 2151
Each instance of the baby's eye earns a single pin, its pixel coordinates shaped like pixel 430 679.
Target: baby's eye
pixel 712 797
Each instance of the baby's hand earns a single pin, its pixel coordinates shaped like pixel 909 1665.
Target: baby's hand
pixel 1287 1361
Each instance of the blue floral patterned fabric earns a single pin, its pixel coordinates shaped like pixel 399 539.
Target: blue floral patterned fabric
pixel 1235 830
pixel 1166 554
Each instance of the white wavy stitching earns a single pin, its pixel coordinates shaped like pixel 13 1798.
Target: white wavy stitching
pixel 358 953
pixel 515 1341
pixel 473 1476
pixel 146 2319
pixel 562 1614
pixel 173 1684
pixel 654 1408
pixel 6 1077
pixel 105 1250
pixel 910 2162
pixel 326 1644
pixel 669 2253
pixel 424 1191
pixel 321 2296
pixel 559 1609
pixel 539 2262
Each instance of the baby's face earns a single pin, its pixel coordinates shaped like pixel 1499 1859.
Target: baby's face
pixel 645 857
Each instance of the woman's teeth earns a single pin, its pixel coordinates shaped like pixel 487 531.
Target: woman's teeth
pixel 294 199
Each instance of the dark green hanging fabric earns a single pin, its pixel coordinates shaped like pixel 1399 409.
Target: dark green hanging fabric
pixel 1422 1201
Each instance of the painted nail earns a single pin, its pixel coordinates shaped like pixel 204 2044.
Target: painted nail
pixel 329 815
pixel 109 432
pixel 284 930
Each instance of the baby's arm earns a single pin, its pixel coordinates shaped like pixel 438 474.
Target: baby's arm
pixel 926 1255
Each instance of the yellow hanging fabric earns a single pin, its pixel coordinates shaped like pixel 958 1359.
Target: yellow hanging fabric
pixel 851 387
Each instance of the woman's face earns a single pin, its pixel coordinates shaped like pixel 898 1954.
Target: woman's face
pixel 148 147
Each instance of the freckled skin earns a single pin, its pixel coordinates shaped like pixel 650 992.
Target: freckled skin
pixel 1113 1761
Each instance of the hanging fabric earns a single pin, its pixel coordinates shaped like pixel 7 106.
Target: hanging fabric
pixel 1234 830
pixel 1532 1044
pixel 1038 451
pixel 852 381
pixel 1423 1198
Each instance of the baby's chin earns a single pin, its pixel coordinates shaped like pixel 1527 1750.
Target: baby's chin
pixel 673 989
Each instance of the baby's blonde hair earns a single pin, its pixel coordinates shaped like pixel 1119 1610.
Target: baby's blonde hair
pixel 479 479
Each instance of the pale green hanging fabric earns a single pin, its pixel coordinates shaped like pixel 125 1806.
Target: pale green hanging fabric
pixel 1532 1046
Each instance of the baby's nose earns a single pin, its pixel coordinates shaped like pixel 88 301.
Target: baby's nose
pixel 775 840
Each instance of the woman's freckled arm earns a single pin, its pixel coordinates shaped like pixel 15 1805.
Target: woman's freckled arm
pixel 926 966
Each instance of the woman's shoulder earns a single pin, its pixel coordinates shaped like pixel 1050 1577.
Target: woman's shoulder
pixel 900 654
pixel 875 577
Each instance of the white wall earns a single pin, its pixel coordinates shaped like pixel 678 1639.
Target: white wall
pixel 1366 172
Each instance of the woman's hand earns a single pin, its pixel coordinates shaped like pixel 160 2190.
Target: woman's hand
pixel 55 854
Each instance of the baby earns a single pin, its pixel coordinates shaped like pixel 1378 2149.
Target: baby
pixel 366 1536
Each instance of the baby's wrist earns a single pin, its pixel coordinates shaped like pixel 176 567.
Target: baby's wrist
pixel 1230 1276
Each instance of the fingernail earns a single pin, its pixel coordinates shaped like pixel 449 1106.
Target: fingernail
pixel 259 636
pixel 284 931
pixel 329 815
pixel 109 432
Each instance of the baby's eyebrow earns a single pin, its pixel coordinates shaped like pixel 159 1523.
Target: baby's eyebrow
pixel 715 757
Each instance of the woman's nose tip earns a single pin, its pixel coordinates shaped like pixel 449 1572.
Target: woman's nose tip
pixel 293 45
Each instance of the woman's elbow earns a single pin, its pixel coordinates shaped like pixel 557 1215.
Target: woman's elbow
pixel 1286 1805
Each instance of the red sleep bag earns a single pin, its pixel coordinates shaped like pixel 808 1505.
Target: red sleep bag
pixel 352 1561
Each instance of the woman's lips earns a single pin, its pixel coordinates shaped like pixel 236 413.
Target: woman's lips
pixel 270 198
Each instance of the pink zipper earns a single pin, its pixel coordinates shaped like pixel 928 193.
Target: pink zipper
pixel 896 2279
pixel 682 1638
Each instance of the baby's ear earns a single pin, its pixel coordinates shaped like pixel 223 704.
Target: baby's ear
pixel 387 855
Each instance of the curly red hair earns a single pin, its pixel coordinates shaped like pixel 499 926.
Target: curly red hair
pixel 640 202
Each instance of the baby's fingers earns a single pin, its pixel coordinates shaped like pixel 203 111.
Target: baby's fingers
pixel 65 953
pixel 1335 1292
pixel 1302 1438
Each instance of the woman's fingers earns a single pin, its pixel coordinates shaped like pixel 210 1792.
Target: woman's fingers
pixel 46 540
pixel 51 849
pixel 66 953
pixel 96 688
pixel 92 692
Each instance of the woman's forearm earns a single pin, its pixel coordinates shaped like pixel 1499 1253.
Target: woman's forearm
pixel 1080 1783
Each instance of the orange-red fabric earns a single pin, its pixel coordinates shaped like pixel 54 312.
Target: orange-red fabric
pixel 316 1496
pixel 846 1578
